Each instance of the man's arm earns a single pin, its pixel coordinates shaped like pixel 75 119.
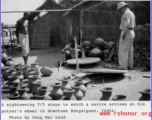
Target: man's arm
pixel 64 49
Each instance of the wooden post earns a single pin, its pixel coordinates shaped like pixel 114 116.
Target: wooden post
pixel 81 26
pixel 77 63
pixel 11 40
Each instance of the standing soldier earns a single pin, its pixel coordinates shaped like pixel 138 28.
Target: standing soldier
pixel 125 51
pixel 22 35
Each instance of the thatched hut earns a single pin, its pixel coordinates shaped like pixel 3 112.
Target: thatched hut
pixel 86 20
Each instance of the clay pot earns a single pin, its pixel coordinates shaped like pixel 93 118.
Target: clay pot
pixel 39 96
pixel 23 93
pixel 46 71
pixel 145 95
pixel 18 67
pixel 99 43
pixel 13 80
pixel 4 73
pixel 4 58
pixel 106 53
pixel 65 85
pixel 19 74
pixel 24 69
pixel 106 93
pixel 86 44
pixel 35 73
pixel 35 66
pixel 42 90
pixel 31 79
pixel 82 87
pixel 56 92
pixel 96 52
pixel 68 94
pixel 10 63
pixel 119 98
pixel 77 93
pixel 9 72
pixel 13 96
pixel 30 70
pixel 36 85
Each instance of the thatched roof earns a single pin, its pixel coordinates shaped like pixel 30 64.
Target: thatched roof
pixel 47 5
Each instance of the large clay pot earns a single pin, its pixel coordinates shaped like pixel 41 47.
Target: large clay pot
pixel 68 93
pixel 36 85
pixel 46 71
pixel 78 93
pixel 110 44
pixel 86 44
pixel 10 63
pixel 4 58
pixel 96 52
pixel 24 69
pixel 35 73
pixel 19 74
pixel 23 94
pixel 4 72
pixel 56 92
pixel 82 87
pixel 106 53
pixel 65 85
pixel 99 43
pixel 106 93
pixel 145 95
pixel 31 79
pixel 35 66
pixel 119 98
pixel 13 80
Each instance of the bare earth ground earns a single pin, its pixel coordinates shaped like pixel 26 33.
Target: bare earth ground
pixel 129 84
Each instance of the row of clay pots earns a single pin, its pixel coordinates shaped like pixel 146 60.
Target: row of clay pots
pixel 65 91
pixel 107 92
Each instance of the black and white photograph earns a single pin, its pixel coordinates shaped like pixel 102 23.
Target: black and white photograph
pixel 75 50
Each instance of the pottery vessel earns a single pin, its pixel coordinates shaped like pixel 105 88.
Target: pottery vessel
pixel 9 72
pixel 46 71
pixel 24 69
pixel 18 67
pixel 19 74
pixel 56 92
pixel 35 73
pixel 39 96
pixel 68 93
pixel 2 66
pixel 119 98
pixel 106 93
pixel 4 58
pixel 31 79
pixel 13 95
pixel 10 63
pixel 36 85
pixel 23 94
pixel 145 95
pixel 4 71
pixel 42 90
pixel 77 93
pixel 35 66
pixel 13 80
pixel 65 85
pixel 82 87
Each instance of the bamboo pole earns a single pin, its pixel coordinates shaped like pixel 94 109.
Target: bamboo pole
pixel 77 63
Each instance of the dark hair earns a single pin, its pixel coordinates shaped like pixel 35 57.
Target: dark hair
pixel 26 13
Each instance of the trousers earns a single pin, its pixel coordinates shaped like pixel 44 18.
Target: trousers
pixel 125 51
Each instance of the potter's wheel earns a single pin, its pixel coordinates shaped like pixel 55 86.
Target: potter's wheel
pixel 84 61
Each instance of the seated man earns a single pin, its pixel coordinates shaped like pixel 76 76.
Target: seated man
pixel 69 50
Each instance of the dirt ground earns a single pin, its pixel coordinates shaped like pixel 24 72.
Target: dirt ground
pixel 129 84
